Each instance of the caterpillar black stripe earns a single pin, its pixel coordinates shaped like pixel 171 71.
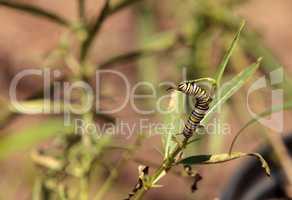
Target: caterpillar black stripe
pixel 203 101
pixel 192 89
pixel 196 116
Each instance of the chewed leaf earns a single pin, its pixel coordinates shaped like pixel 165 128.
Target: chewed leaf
pixel 197 179
pixel 263 161
pixel 219 158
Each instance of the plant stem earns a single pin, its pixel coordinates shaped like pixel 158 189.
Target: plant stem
pixel 105 13
pixel 81 10
pixel 84 188
pixel 164 167
pixel 125 57
pixel 33 10
pixel 107 185
pixel 93 31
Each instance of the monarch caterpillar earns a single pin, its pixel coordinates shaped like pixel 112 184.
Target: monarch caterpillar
pixel 203 100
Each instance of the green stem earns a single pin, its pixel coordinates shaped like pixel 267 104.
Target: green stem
pixel 107 185
pixel 164 167
pixel 84 188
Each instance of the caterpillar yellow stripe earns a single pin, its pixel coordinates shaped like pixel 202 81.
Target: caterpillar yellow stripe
pixel 201 107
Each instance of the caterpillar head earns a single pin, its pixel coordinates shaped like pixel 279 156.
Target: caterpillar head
pixel 182 86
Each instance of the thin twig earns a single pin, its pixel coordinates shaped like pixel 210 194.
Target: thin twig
pixel 105 13
pixel 130 56
pixel 33 10
pixel 137 54
pixel 164 167
pixel 94 31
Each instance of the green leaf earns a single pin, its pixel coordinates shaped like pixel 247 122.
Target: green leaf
pixel 33 10
pixel 41 106
pixel 273 109
pixel 219 158
pixel 227 56
pixel 5 114
pixel 230 88
pixel 172 121
pixel 31 136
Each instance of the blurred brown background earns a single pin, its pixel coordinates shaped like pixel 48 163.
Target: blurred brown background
pixel 26 40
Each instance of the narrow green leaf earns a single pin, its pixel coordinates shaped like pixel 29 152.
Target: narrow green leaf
pixel 36 106
pixel 230 88
pixel 219 158
pixel 273 109
pixel 33 10
pixel 41 106
pixel 227 56
pixel 172 121
pixel 31 136
pixel 160 41
pixel 199 159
